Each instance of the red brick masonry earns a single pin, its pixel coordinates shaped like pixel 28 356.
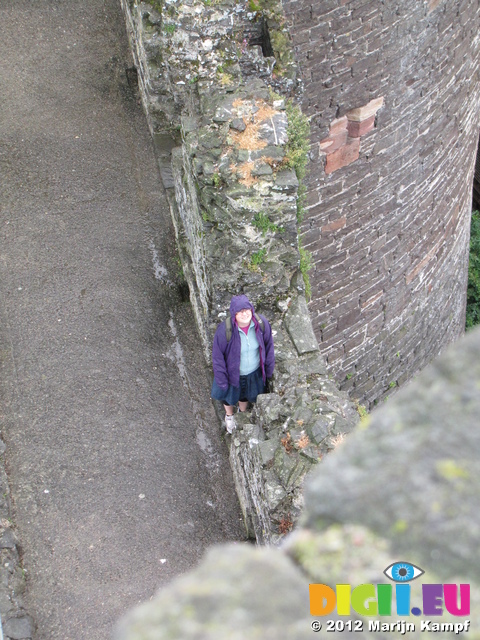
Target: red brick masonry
pixel 342 147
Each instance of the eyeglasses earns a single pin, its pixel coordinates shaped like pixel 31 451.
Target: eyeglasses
pixel 245 311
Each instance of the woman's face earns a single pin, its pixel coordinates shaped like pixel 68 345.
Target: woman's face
pixel 243 317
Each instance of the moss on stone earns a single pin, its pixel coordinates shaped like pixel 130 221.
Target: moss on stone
pixel 263 223
pixel 305 267
pixel 298 144
pixel 451 470
pixel 157 5
pixel 256 259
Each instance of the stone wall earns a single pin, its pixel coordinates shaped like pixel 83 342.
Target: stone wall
pixel 392 93
pixel 215 102
pixel 405 486
pixel 392 90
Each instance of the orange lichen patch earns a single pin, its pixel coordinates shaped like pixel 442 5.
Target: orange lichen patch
pixel 245 170
pixel 238 103
pixel 264 112
pixel 302 442
pixel 337 440
pixel 273 162
pixel 287 442
pixel 248 139
pixel 285 525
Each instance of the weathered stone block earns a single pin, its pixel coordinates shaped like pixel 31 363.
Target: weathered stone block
pixel 333 142
pixel 286 181
pixel 267 449
pixel 335 225
pixel 319 430
pixel 299 327
pixel 261 169
pixel 274 129
pixel 238 124
pixel 356 129
pixel 343 156
pixel 19 628
pixel 338 126
pixel 275 493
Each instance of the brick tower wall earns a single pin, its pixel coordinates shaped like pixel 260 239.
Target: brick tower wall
pixel 392 89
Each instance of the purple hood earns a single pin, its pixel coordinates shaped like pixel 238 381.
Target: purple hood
pixel 237 303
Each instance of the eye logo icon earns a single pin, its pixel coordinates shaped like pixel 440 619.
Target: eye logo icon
pixel 403 572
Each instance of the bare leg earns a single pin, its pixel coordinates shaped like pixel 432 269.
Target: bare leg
pixel 243 406
pixel 228 409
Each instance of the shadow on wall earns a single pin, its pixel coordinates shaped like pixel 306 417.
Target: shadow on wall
pixel 404 486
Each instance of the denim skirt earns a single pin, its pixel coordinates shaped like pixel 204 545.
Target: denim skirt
pixel 250 387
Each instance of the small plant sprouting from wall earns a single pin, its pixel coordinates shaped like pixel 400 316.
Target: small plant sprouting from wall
pixel 256 260
pixel 296 158
pixel 473 289
pixel 225 79
pixel 362 411
pixel 297 150
pixel 305 266
pixel 262 222
pixel 157 5
pixel 254 6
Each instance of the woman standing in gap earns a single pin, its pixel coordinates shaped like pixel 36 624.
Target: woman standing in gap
pixel 243 358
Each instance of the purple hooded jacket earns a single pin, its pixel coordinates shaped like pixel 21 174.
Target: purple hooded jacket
pixel 226 355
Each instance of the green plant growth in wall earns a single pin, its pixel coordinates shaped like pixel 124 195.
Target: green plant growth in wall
pixel 282 50
pixel 297 149
pixel 262 222
pixel 362 411
pixel 473 289
pixel 157 5
pixel 305 266
pixel 256 260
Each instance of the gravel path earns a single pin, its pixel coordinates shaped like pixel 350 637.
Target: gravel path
pixel 118 473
